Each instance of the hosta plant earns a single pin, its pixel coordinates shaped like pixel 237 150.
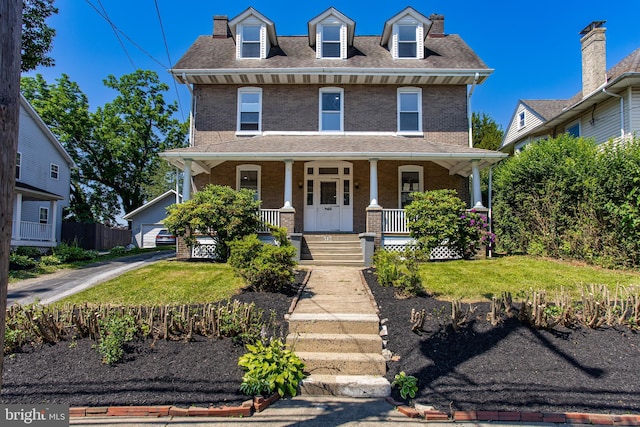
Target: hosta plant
pixel 408 384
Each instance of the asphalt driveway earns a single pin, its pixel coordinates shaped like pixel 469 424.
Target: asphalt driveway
pixel 53 287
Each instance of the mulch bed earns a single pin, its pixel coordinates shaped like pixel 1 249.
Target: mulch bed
pixel 481 367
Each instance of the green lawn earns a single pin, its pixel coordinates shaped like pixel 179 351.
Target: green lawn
pixel 165 282
pixel 479 280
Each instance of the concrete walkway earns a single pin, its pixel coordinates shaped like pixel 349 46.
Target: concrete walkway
pixel 53 287
pixel 334 329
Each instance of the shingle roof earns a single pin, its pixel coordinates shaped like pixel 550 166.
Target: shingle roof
pixel 448 52
pixel 546 108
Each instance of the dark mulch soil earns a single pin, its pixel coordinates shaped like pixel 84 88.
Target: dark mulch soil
pixel 510 366
pixel 507 367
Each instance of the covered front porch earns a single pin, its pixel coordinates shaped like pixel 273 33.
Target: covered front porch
pixel 35 217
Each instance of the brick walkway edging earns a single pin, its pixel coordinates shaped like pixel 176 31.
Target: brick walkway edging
pixel 519 416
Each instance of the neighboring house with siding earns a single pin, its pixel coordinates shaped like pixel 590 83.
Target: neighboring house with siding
pixel 332 130
pixel 146 221
pixel 43 177
pixel 608 107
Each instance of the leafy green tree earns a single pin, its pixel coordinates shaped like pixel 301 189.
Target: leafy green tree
pixel 218 212
pixel 487 133
pixel 116 147
pixel 37 36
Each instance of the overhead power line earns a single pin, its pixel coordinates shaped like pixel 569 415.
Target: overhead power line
pixel 166 47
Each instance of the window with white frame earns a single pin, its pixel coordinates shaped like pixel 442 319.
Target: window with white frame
pixel 331 109
pixel 249 110
pixel 251 43
pixel 331 41
pixel 18 164
pixel 44 215
pixel 573 129
pixel 407 41
pixel 248 176
pixel 521 119
pixel 54 171
pixel 409 110
pixel 409 181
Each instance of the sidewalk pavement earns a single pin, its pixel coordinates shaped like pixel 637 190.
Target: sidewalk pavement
pixel 53 287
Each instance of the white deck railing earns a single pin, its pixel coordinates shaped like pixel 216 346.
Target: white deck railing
pixel 33 231
pixel 394 221
pixel 268 216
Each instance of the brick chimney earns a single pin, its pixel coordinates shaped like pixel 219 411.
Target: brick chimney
pixel 220 27
pixel 437 25
pixel 594 57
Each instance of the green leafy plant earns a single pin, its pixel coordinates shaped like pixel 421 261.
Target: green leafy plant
pixel 118 250
pixel 70 253
pixel 115 331
pixel 50 260
pixel 400 270
pixel 270 368
pixel 21 262
pixel 407 384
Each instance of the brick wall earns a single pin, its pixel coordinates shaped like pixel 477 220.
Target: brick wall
pixel 368 108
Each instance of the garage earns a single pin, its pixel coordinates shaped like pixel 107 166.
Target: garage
pixel 149 232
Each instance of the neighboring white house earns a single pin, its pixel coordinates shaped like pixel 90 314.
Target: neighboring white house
pixel 608 107
pixel 146 221
pixel 43 179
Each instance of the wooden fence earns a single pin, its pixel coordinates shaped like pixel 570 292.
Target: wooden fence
pixel 94 236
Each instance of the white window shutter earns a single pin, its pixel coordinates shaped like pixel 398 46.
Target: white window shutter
pixel 239 42
pixel 263 42
pixel 318 41
pixel 343 41
pixel 420 41
pixel 394 42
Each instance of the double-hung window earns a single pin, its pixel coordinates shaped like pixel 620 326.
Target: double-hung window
pixel 574 129
pixel 409 110
pixel 331 41
pixel 18 164
pixel 44 215
pixel 249 110
pixel 54 171
pixel 521 119
pixel 248 176
pixel 331 109
pixel 251 41
pixel 410 181
pixel 407 41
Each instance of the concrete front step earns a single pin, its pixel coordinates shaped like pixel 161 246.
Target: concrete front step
pixel 334 323
pixel 324 256
pixel 342 343
pixel 320 363
pixel 331 237
pixel 332 250
pixel 332 262
pixel 345 385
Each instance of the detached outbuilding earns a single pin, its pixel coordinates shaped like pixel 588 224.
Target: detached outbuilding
pixel 147 221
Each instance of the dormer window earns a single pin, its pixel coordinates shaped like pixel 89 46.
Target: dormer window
pixel 250 41
pixel 331 33
pixel 254 34
pixel 404 34
pixel 407 41
pixel 331 41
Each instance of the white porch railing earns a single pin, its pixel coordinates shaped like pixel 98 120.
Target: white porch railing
pixel 394 221
pixel 33 231
pixel 268 216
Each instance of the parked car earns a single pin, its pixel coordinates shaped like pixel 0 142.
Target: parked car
pixel 165 237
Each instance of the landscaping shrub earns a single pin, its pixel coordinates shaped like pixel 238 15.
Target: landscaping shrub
pixel 21 262
pixel 568 198
pixel 265 267
pixel 50 260
pixel 270 368
pixel 400 270
pixel 217 212
pixel 115 331
pixel 29 251
pixel 71 253
pixel 118 250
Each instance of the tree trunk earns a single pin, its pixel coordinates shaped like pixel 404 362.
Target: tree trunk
pixel 10 29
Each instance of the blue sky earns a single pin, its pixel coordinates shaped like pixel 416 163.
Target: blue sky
pixel 534 47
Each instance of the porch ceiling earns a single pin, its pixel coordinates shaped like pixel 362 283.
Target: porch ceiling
pixel 455 158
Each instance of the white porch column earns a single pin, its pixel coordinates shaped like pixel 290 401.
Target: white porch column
pixel 477 193
pixel 53 208
pixel 17 216
pixel 373 183
pixel 288 183
pixel 186 180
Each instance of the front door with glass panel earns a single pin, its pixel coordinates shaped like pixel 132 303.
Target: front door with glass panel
pixel 328 204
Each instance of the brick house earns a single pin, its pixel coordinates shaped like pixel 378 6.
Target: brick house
pixel 332 130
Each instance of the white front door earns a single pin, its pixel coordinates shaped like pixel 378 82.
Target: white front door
pixel 328 204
